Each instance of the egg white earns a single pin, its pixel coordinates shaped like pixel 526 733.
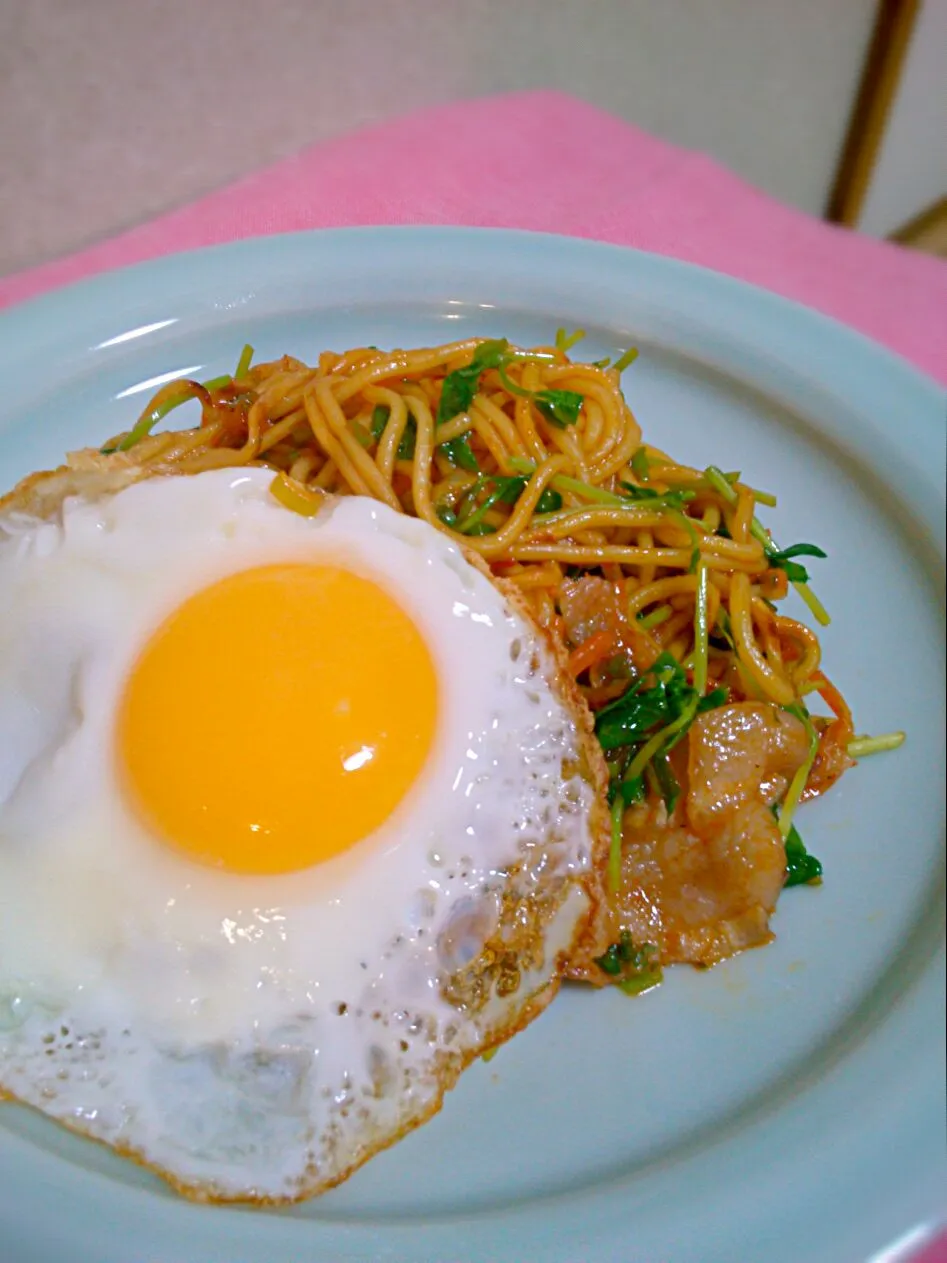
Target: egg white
pixel 258 1037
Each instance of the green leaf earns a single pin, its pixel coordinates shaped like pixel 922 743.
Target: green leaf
pixel 717 697
pixel 560 407
pixel 632 791
pixel 633 968
pixel 794 572
pixel 379 421
pixel 509 488
pixel 457 393
pixel 656 499
pixel 460 386
pixel 459 452
pixel 447 516
pixel 781 560
pixel 630 718
pixel 798 550
pixel 492 354
pixel 610 962
pixel 409 437
pixel 512 487
pixel 409 434
pixel 801 867
pixel 648 721
pixel 549 502
pixel 643 708
pixel 641 465
pixel 667 782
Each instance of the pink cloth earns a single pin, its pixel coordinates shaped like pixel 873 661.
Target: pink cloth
pixel 544 161
pixel 936 1252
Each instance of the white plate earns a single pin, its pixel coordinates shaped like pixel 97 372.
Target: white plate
pixel 787 1105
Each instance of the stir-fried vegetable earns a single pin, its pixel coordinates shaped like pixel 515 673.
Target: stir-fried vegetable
pixel 676 617
pixel 632 968
pixel 863 746
pixel 779 558
pixel 560 408
pixel 409 434
pixel 645 724
pixel 501 489
pixel 801 867
pixel 798 782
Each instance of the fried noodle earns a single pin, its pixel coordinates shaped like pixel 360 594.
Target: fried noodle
pixel 318 425
pixel 628 559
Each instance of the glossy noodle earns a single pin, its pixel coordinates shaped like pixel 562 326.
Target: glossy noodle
pixel 655 579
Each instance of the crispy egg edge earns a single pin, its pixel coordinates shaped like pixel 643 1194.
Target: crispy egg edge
pixel 93 475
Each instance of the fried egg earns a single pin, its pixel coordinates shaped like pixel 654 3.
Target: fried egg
pixel 298 816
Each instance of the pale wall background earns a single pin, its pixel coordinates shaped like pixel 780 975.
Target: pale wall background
pixel 113 110
pixel 911 170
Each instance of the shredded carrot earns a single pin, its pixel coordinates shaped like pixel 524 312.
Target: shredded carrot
pixel 835 702
pixel 598 646
pixel 832 758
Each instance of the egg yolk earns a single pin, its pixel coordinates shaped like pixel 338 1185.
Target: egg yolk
pixel 277 717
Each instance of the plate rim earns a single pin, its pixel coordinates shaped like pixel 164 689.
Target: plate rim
pixel 99 286
pixel 28 327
